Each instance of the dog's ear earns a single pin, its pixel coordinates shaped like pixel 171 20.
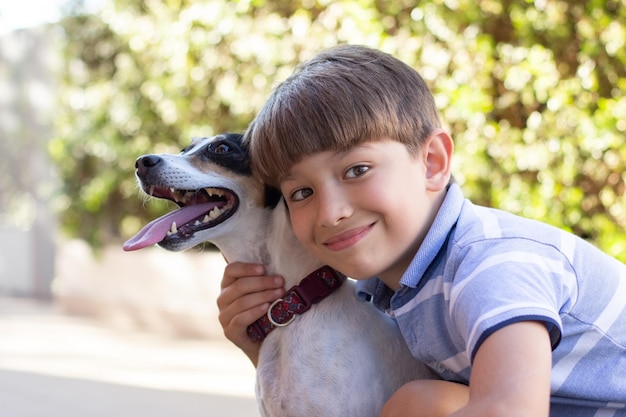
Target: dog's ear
pixel 272 196
pixel 241 138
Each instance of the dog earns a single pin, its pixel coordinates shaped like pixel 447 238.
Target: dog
pixel 340 358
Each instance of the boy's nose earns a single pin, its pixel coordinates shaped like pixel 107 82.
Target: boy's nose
pixel 334 207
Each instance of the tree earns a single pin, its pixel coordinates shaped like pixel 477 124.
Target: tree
pixel 532 91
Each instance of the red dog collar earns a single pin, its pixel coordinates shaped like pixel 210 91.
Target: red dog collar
pixel 312 289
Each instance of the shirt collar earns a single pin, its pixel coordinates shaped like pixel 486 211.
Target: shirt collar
pixel 436 237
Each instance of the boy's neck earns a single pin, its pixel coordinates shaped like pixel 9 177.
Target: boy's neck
pixel 392 277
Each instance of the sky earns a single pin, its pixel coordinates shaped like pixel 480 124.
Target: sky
pixel 19 14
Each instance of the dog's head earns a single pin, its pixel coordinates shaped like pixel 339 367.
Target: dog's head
pixel 211 181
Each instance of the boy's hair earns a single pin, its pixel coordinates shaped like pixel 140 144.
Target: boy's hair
pixel 343 97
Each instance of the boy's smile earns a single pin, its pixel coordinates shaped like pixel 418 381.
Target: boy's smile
pixel 347 238
pixel 364 211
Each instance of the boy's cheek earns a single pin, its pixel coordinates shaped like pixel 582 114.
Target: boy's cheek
pixel 299 229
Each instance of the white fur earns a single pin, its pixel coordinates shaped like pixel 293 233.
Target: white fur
pixel 341 358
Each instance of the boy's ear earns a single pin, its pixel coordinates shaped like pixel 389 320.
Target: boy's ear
pixel 438 151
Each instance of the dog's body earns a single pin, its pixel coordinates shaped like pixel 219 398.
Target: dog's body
pixel 342 357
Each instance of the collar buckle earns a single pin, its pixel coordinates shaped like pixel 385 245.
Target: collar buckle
pixel 311 290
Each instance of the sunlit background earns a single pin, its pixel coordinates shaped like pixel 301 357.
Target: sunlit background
pixel 26 14
pixel 533 92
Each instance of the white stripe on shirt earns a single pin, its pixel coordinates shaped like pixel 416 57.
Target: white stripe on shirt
pixel 424 294
pixel 502 258
pixel 588 340
pixel 490 225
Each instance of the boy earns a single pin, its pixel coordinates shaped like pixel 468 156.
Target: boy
pixel 530 318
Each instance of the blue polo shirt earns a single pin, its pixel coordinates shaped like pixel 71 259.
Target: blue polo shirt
pixel 480 269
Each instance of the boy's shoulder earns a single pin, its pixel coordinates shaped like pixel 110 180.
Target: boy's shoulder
pixel 478 223
pixel 491 231
pixel 472 222
pixel 463 224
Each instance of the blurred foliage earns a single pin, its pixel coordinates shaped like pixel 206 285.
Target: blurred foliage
pixel 533 92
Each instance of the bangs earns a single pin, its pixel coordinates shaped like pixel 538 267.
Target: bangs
pixel 333 104
pixel 315 120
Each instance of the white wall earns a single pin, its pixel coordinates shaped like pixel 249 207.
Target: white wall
pixel 28 62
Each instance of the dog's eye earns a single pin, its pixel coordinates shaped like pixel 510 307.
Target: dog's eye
pixel 222 148
pixel 219 147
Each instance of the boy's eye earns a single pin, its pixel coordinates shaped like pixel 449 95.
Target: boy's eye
pixel 301 194
pixel 356 171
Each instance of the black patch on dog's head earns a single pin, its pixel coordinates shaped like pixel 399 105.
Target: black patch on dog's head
pixel 226 150
pixel 229 150
pixel 272 196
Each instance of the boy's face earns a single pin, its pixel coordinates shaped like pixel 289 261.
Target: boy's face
pixel 364 211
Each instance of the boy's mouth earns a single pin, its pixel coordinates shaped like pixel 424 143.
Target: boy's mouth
pixel 348 238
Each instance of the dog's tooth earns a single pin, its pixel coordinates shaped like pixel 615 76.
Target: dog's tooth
pixel 197 223
pixel 173 228
pixel 216 212
pixel 151 190
pixel 214 192
pixel 206 219
pixel 172 190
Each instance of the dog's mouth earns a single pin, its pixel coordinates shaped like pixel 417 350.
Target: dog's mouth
pixel 199 210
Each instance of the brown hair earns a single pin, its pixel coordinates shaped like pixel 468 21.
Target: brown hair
pixel 341 98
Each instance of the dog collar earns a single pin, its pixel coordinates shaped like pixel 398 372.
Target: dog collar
pixel 299 298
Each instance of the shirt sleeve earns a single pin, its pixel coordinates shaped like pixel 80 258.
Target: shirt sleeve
pixel 495 285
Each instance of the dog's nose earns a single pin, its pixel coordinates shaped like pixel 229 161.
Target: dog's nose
pixel 144 163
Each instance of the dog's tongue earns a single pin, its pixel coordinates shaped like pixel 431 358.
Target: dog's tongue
pixel 156 230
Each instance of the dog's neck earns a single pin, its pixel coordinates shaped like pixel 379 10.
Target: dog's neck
pixel 267 238
pixel 287 255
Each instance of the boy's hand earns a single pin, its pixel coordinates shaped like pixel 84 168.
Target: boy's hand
pixel 246 295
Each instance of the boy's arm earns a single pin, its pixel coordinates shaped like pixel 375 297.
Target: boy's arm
pixel 511 373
